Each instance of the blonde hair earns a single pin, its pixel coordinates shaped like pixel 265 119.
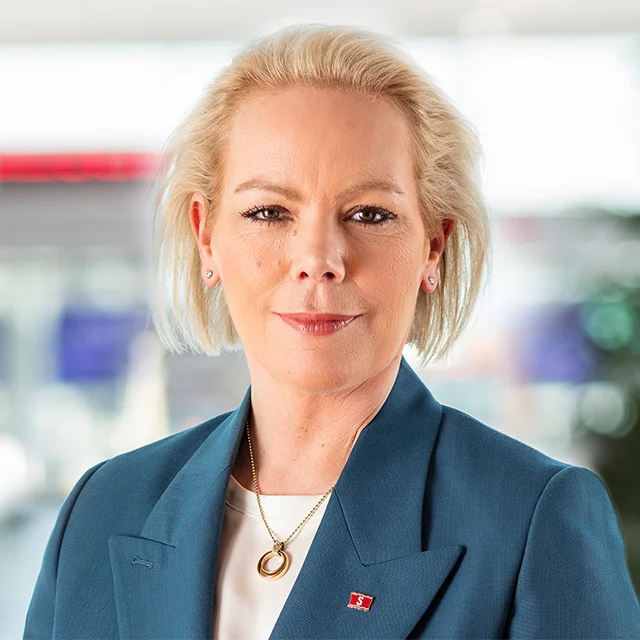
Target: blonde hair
pixel 447 154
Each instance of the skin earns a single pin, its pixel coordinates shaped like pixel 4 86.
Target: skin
pixel 311 396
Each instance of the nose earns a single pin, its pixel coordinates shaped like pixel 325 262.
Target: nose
pixel 318 249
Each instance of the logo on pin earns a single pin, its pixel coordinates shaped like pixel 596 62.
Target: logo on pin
pixel 360 601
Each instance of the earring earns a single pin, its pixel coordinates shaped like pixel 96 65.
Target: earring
pixel 431 280
pixel 209 274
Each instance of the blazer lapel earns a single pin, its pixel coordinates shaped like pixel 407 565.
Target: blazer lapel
pixel 164 579
pixel 370 539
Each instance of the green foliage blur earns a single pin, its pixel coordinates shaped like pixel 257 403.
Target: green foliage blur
pixel 610 318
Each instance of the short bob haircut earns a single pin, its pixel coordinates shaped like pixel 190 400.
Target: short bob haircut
pixel 447 157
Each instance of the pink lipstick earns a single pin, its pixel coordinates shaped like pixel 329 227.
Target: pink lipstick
pixel 317 324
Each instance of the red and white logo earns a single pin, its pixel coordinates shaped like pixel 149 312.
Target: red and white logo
pixel 360 601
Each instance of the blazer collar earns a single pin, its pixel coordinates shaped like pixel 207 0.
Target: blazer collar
pixel 370 539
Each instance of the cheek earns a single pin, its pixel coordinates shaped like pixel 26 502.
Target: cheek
pixel 251 272
pixel 246 256
pixel 392 272
pixel 260 261
pixel 390 290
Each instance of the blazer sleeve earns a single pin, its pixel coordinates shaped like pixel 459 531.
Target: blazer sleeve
pixel 41 612
pixel 573 580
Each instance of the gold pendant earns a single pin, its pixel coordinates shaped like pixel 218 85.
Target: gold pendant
pixel 278 550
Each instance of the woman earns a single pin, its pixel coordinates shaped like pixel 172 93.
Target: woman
pixel 320 208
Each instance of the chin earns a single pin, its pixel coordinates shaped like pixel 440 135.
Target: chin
pixel 317 371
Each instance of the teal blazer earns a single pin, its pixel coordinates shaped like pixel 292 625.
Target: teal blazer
pixel 455 529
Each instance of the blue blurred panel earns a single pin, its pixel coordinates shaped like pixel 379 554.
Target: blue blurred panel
pixel 551 346
pixel 94 345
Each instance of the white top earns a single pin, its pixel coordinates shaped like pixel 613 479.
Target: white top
pixel 247 605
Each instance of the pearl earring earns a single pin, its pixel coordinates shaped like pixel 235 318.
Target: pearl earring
pixel 431 280
pixel 209 274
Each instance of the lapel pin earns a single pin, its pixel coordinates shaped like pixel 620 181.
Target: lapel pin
pixel 360 601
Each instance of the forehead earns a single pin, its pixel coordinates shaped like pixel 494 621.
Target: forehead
pixel 308 133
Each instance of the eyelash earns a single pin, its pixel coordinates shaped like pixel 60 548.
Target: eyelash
pixel 387 216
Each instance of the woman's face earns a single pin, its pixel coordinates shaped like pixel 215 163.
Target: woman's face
pixel 318 214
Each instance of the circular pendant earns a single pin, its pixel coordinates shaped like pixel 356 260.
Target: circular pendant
pixel 281 570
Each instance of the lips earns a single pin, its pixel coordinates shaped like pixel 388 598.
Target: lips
pixel 318 324
pixel 315 317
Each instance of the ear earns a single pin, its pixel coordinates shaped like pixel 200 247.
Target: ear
pixel 436 248
pixel 198 219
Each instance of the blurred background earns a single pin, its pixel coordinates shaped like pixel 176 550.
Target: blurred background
pixel 89 92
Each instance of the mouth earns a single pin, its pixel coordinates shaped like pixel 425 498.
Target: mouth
pixel 318 324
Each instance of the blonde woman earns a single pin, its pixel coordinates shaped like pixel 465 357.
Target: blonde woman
pixel 320 208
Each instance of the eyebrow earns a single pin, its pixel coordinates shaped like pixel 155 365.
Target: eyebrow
pixel 292 194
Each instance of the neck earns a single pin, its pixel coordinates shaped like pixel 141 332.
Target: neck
pixel 301 440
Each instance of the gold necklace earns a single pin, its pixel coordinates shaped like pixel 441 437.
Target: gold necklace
pixel 278 546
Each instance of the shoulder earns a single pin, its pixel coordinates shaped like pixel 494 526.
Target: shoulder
pixel 144 473
pixel 483 448
pixel 489 477
pixel 166 455
pixel 171 451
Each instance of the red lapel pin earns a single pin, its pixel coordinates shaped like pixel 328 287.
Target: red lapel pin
pixel 360 601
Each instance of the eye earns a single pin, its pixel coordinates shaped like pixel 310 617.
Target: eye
pixel 253 212
pixel 371 211
pixel 270 214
